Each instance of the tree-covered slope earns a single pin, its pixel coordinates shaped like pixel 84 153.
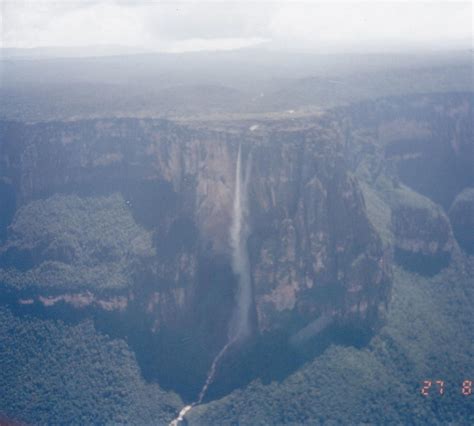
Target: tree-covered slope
pixel 54 372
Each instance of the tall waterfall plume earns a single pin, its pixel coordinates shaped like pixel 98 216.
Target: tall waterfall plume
pixel 239 327
pixel 240 323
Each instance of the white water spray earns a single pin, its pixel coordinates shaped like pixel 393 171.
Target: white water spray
pixel 239 327
pixel 181 415
pixel 240 324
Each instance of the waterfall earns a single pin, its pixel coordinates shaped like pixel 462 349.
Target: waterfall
pixel 240 323
pixel 212 371
pixel 239 327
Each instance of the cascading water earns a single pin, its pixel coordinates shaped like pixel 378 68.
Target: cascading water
pixel 239 327
pixel 240 324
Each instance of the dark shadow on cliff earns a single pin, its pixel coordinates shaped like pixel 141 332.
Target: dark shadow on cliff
pixel 177 355
pixel 272 358
pixel 427 265
pixel 7 208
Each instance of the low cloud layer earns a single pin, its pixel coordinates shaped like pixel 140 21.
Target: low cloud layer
pixel 193 25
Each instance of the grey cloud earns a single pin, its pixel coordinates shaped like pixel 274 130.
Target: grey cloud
pixel 209 20
pixel 164 25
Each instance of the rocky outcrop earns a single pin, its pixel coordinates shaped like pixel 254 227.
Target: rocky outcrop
pixel 415 153
pixel 312 248
pixel 424 240
pixel 129 221
pixel 425 141
pixel 314 252
pixel 461 215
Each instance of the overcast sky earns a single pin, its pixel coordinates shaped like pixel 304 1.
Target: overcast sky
pixel 196 25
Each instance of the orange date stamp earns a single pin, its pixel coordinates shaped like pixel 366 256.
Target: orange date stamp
pixel 437 387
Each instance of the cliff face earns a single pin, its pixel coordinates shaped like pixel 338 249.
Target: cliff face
pixel 133 217
pixel 425 141
pixel 128 222
pixel 461 215
pixel 308 226
pixel 314 252
pixel 424 241
pixel 417 152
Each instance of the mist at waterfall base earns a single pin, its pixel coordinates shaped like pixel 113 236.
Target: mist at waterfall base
pixel 239 326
